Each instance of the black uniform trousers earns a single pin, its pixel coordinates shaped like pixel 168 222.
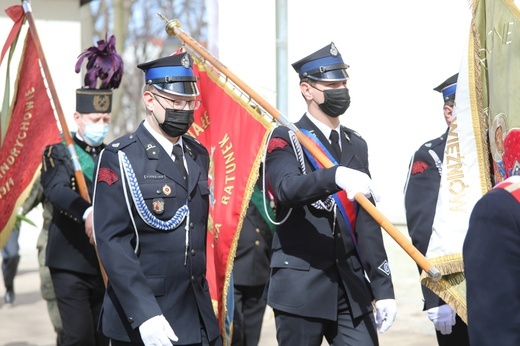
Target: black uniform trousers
pixel 250 308
pixel 79 299
pixel 295 330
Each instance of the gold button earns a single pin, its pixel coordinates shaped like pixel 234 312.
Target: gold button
pixel 257 242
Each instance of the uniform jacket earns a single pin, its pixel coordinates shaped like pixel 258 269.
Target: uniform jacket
pixel 309 258
pixel 251 265
pixel 420 198
pixel 491 253
pixel 154 279
pixel 68 246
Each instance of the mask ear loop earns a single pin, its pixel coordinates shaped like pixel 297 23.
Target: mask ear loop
pixel 263 188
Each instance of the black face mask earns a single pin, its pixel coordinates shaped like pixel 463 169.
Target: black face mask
pixel 176 121
pixel 336 101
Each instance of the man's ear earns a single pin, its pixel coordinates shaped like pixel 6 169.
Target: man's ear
pixel 448 113
pixel 305 89
pixel 148 100
pixel 448 110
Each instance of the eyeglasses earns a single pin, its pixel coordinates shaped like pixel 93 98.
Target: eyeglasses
pixel 181 104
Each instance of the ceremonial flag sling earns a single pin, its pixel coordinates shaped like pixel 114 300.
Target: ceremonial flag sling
pixel 30 126
pixel 173 28
pixel 487 118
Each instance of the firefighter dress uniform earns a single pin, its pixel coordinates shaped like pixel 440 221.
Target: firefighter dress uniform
pixel 150 226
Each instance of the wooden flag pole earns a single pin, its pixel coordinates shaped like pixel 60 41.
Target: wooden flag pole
pixel 173 28
pixel 78 173
pixel 80 178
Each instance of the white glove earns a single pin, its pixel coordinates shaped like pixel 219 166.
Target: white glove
pixel 443 317
pixel 353 182
pixel 157 331
pixel 386 309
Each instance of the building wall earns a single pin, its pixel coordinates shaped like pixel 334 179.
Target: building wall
pixel 59 31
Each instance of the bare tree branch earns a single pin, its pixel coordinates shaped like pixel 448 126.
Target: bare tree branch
pixel 141 37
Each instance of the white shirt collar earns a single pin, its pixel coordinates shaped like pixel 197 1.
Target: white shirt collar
pixel 166 144
pixel 324 128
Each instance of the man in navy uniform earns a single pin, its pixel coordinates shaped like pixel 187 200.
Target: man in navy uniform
pixel 325 242
pixel 421 193
pixel 70 254
pixel 151 204
pixel 491 254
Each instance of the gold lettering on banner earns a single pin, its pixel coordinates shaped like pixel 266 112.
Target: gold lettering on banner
pixel 508 33
pixel 15 151
pixel 501 33
pixel 216 231
pixel 455 174
pixel 4 189
pixel 204 120
pixel 196 129
pixel 226 147
pixel 504 32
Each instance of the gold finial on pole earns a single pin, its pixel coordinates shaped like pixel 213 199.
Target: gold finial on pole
pixel 171 25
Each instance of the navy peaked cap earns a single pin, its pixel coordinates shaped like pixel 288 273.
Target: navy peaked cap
pixel 448 88
pixel 172 74
pixel 325 64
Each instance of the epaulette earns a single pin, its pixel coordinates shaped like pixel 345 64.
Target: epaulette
pixel 350 132
pixel 434 142
pixel 192 144
pixel 121 143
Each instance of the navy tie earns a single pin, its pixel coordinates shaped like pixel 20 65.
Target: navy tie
pixel 334 140
pixel 179 160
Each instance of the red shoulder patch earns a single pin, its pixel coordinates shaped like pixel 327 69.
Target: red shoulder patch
pixel 107 175
pixel 276 143
pixel 419 167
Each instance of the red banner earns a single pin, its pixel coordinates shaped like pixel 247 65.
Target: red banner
pixel 32 126
pixel 234 134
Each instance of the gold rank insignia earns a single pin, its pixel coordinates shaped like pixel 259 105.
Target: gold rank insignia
pixel 158 205
pixel 166 190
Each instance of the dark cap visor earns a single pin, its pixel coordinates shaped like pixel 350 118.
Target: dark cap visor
pixel 178 88
pixel 329 76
